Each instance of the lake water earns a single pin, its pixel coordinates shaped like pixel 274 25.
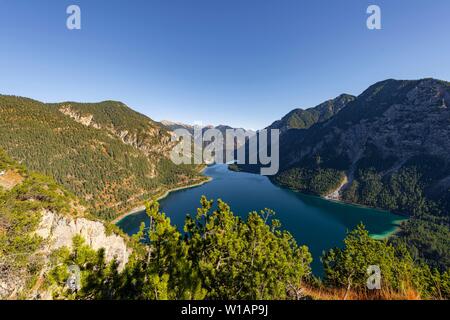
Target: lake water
pixel 315 222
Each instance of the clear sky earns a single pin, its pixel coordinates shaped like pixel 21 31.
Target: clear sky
pixel 244 63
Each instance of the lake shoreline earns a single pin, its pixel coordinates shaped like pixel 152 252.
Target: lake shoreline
pixel 397 224
pixel 384 236
pixel 388 234
pixel 396 228
pixel 160 197
pixel 319 223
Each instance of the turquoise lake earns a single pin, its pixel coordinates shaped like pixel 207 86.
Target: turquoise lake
pixel 320 224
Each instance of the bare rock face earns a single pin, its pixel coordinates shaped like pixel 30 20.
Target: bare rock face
pixel 416 125
pixel 399 119
pixel 152 139
pixel 84 120
pixel 59 231
pixel 10 285
pixel 147 137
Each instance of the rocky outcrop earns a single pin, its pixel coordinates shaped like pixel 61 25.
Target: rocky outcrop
pixel 151 140
pixel 163 147
pixel 336 194
pixel 9 179
pixel 58 231
pixel 147 137
pixel 84 120
pixel 395 118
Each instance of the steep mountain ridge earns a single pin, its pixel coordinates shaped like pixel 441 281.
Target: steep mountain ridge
pixel 390 125
pixel 305 118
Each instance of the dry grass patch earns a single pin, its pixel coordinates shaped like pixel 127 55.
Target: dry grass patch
pixel 10 179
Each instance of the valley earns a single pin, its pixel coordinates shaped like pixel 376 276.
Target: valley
pixel 70 173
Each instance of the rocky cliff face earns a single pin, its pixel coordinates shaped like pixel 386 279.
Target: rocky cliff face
pixel 37 217
pixel 397 118
pixel 58 231
pixel 84 120
pixel 150 139
pixel 391 124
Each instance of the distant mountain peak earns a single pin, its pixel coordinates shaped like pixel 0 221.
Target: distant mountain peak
pixel 305 118
pixel 173 125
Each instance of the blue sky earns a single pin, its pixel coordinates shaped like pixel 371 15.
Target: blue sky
pixel 244 63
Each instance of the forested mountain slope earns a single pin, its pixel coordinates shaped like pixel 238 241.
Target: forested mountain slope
pixel 305 118
pixel 107 154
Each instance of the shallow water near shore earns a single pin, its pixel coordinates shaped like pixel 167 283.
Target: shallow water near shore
pixel 318 223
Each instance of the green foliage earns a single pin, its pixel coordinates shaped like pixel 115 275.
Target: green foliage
pixel 348 267
pixel 370 188
pixel 240 259
pixel 220 257
pixel 6 162
pixel 428 239
pixel 223 257
pixel 20 215
pixel 98 278
pixel 426 233
pixel 303 119
pixel 167 266
pixel 93 163
pixel 316 181
pixel 115 115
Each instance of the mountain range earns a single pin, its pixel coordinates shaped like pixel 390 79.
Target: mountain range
pixel 198 132
pixel 386 148
pixel 391 126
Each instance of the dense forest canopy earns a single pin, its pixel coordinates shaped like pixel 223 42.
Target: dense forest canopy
pixel 107 171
